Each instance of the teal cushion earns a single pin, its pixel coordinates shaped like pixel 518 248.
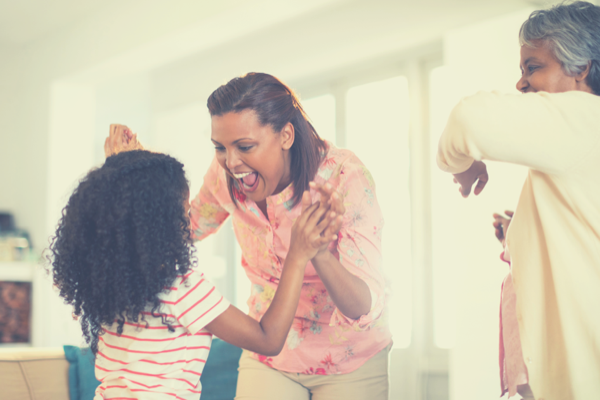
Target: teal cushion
pixel 82 379
pixel 219 377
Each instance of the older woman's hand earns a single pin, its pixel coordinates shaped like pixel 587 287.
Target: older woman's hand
pixel 501 224
pixel 477 172
pixel 120 138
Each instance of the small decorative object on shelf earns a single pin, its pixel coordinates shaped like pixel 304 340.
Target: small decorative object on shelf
pixel 15 244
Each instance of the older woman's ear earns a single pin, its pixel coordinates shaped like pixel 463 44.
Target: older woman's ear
pixel 582 79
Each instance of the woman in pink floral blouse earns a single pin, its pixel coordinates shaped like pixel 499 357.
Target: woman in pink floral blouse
pixel 267 155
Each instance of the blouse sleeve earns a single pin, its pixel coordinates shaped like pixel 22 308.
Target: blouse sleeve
pixel 548 132
pixel 359 243
pixel 207 213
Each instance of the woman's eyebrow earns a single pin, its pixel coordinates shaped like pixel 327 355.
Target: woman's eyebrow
pixel 530 59
pixel 235 142
pixel 239 140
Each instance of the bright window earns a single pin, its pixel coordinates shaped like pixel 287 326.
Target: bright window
pixel 442 99
pixel 321 111
pixel 377 132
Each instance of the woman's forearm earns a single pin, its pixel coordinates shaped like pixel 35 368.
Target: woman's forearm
pixel 536 130
pixel 350 294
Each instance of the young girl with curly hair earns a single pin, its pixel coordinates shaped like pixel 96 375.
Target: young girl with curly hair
pixel 267 154
pixel 122 257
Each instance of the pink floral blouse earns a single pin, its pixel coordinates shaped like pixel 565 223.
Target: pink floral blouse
pixel 322 340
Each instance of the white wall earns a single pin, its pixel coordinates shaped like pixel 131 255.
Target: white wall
pixel 321 46
pixel 467 268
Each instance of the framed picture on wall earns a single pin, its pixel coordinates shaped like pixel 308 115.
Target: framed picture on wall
pixel 15 312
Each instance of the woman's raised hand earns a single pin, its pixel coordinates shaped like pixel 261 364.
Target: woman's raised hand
pixel 316 227
pixel 477 172
pixel 120 139
pixel 331 198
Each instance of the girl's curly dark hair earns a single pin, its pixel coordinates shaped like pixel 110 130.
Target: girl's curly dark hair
pixel 122 239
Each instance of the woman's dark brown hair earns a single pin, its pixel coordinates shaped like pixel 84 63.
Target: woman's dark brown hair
pixel 275 104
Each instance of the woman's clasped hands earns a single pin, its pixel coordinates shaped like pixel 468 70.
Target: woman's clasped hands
pixel 318 224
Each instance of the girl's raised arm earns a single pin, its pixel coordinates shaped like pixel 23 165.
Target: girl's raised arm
pixel 316 226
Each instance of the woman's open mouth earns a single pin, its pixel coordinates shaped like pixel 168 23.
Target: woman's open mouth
pixel 249 180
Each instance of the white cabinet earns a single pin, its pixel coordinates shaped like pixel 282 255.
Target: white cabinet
pixel 16 271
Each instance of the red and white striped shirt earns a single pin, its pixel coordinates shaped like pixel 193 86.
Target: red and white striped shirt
pixel 150 362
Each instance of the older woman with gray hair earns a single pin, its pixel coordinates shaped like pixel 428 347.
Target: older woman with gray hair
pixel 554 238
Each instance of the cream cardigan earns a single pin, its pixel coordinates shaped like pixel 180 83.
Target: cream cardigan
pixel 554 238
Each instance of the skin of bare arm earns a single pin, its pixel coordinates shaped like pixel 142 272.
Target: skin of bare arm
pixel 315 227
pixel 350 294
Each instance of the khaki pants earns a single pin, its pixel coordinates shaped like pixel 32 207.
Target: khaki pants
pixel 256 381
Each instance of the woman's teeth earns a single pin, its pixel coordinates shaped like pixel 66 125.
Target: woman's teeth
pixel 249 180
pixel 242 175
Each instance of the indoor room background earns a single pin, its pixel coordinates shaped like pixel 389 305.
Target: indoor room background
pixel 378 77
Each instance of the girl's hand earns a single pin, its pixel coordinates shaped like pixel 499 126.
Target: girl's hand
pixel 331 198
pixel 501 224
pixel 476 173
pixel 120 138
pixel 312 230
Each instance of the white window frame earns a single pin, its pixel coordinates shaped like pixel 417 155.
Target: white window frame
pixel 419 371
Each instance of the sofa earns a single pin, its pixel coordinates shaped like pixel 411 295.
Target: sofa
pixel 68 373
pixel 34 373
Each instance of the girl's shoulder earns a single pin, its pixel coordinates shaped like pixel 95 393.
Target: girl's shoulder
pixel 182 283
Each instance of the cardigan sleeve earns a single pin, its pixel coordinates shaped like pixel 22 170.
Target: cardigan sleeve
pixel 551 133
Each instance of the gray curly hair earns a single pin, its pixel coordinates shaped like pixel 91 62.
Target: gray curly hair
pixel 573 32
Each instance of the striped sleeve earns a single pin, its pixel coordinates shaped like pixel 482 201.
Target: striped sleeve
pixel 196 302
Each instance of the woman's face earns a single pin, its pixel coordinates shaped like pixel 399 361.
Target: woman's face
pixel 253 154
pixel 541 71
